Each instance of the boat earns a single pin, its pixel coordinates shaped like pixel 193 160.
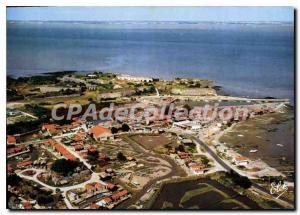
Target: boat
pixel 279 145
pixel 253 150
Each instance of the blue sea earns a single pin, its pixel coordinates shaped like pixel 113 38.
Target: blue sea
pixel 246 59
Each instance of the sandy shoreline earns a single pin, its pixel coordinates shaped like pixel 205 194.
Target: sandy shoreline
pixel 272 135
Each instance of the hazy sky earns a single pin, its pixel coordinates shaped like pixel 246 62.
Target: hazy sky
pixel 152 13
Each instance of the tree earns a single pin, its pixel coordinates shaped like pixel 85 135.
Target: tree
pixel 205 160
pixel 43 199
pixel 180 148
pixel 125 127
pixel 64 167
pixel 93 156
pixel 239 180
pixel 83 89
pixel 114 130
pixel 121 157
pixel 13 180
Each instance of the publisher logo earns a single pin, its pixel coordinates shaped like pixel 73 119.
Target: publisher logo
pixel 278 188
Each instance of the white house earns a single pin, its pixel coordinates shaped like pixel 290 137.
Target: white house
pixel 240 161
pixel 100 133
pixel 190 125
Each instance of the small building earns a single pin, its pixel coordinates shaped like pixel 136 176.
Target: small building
pixel 78 147
pixel 197 169
pixel 26 205
pixel 111 186
pixel 187 125
pixel 95 206
pixel 51 129
pixel 95 187
pixel 240 161
pixel 125 77
pixel 100 133
pixel 24 164
pixel 120 195
pixel 105 202
pixel 11 139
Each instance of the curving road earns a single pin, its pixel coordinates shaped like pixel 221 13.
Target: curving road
pixel 229 168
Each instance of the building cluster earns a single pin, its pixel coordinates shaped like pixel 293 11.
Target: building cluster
pixel 125 77
pixel 194 91
pixel 55 129
pixel 98 195
pixel 59 149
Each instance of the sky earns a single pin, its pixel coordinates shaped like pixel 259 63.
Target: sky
pixel 218 14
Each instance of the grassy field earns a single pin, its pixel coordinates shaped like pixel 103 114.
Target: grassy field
pixel 154 142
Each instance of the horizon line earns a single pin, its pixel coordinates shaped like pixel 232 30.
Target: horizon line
pixel 187 21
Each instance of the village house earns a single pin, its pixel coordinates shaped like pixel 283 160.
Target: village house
pixel 11 139
pixel 50 129
pixel 24 164
pixel 60 149
pixel 17 150
pixel 197 169
pixel 74 196
pixel 120 195
pixel 240 161
pixel 95 206
pixel 95 187
pixel 100 133
pixel 26 205
pixel 105 202
pixel 187 125
pixel 182 155
pixel 78 147
pixel 111 186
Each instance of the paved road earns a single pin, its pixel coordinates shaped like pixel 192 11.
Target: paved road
pixel 213 154
pixel 228 168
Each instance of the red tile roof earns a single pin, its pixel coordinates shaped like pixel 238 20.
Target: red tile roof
pixel 61 149
pixel 110 185
pixel 78 137
pixel 94 206
pixel 27 205
pixel 107 200
pixel 24 163
pixel 120 194
pixel 78 146
pixel 50 127
pixel 98 185
pixel 92 149
pixel 99 131
pixel 15 149
pixel 11 139
pixel 241 158
pixel 197 168
pixel 91 186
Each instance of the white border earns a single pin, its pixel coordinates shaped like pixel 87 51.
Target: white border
pixel 3 5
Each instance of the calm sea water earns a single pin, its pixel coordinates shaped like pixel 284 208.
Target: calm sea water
pixel 250 60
